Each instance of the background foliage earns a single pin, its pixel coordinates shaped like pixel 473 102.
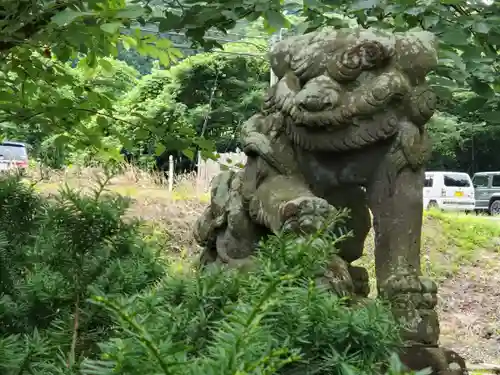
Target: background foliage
pixel 55 53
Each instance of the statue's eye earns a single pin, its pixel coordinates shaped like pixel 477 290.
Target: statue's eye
pixel 397 98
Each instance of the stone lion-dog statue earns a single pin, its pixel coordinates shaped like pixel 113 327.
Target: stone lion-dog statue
pixel 343 128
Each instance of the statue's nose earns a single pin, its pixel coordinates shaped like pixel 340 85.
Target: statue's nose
pixel 421 104
pixel 318 94
pixel 320 99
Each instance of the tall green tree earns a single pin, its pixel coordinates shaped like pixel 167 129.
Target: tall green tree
pixel 199 103
pixel 39 37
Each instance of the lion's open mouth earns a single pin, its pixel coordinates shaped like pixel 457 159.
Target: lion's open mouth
pixel 360 133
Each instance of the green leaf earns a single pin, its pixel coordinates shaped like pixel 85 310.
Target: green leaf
pixel 205 144
pixel 163 43
pixel 102 122
pixel 363 4
pixel 133 11
pixel 164 59
pixel 415 11
pixel 189 153
pixel 254 16
pixel 65 103
pixel 473 104
pixel 481 88
pixel 169 22
pixel 430 21
pixel 66 16
pixel 443 92
pixel 112 27
pixel 481 27
pixel 457 60
pixel 56 139
pixel 126 142
pixel 159 149
pixel 493 117
pixel 229 14
pixel 128 42
pixel 6 96
pixel 174 52
pixel 106 65
pixel 302 27
pixel 276 20
pixel 455 37
pixel 443 81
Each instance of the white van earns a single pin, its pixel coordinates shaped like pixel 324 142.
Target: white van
pixel 13 156
pixel 451 191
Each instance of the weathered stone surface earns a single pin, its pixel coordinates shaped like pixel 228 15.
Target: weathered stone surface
pixel 440 361
pixel 344 127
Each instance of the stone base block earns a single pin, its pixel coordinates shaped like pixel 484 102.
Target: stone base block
pixel 441 361
pixel 420 325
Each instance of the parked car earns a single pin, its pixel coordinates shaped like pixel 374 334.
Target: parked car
pixel 449 191
pixel 13 155
pixel 487 188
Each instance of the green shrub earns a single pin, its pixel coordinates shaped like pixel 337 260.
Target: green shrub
pixel 52 253
pixel 273 319
pixel 83 293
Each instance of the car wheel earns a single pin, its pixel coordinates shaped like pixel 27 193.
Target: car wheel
pixel 495 208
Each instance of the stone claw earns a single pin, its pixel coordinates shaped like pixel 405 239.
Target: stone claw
pixel 309 215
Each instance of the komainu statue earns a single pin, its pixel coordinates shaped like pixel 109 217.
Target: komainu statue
pixel 344 127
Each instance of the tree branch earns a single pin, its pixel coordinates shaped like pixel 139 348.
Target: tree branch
pixel 32 28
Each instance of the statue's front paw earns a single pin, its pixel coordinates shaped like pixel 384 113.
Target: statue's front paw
pixel 308 215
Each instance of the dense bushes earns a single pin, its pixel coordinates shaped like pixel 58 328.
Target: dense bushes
pixel 83 293
pixel 52 253
pixel 273 319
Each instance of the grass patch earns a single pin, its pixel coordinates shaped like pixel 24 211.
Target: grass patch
pixel 452 241
pixel 449 242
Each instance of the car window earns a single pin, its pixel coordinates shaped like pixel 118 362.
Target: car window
pixel 456 180
pixel 480 181
pixel 496 180
pixel 429 181
pixel 12 151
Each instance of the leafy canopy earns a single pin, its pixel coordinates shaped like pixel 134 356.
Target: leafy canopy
pixel 39 38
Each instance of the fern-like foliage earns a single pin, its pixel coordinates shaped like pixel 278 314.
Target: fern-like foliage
pixel 83 293
pixel 272 319
pixel 52 253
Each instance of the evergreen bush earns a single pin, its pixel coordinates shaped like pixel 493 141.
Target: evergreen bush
pixel 82 292
pixel 52 252
pixel 272 319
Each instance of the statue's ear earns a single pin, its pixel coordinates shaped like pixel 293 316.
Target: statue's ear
pixel 309 67
pixel 303 54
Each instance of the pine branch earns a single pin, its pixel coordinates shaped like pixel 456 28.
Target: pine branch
pixel 72 354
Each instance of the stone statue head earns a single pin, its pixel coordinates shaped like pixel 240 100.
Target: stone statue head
pixel 332 79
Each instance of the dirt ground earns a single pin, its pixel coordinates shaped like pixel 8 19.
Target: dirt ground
pixel 469 310
pixel 461 253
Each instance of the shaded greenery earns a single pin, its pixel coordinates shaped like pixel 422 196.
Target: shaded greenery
pixel 52 253
pixel 211 95
pixel 38 38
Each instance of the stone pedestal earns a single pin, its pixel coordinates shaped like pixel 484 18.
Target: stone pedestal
pixel 441 361
pixel 413 300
